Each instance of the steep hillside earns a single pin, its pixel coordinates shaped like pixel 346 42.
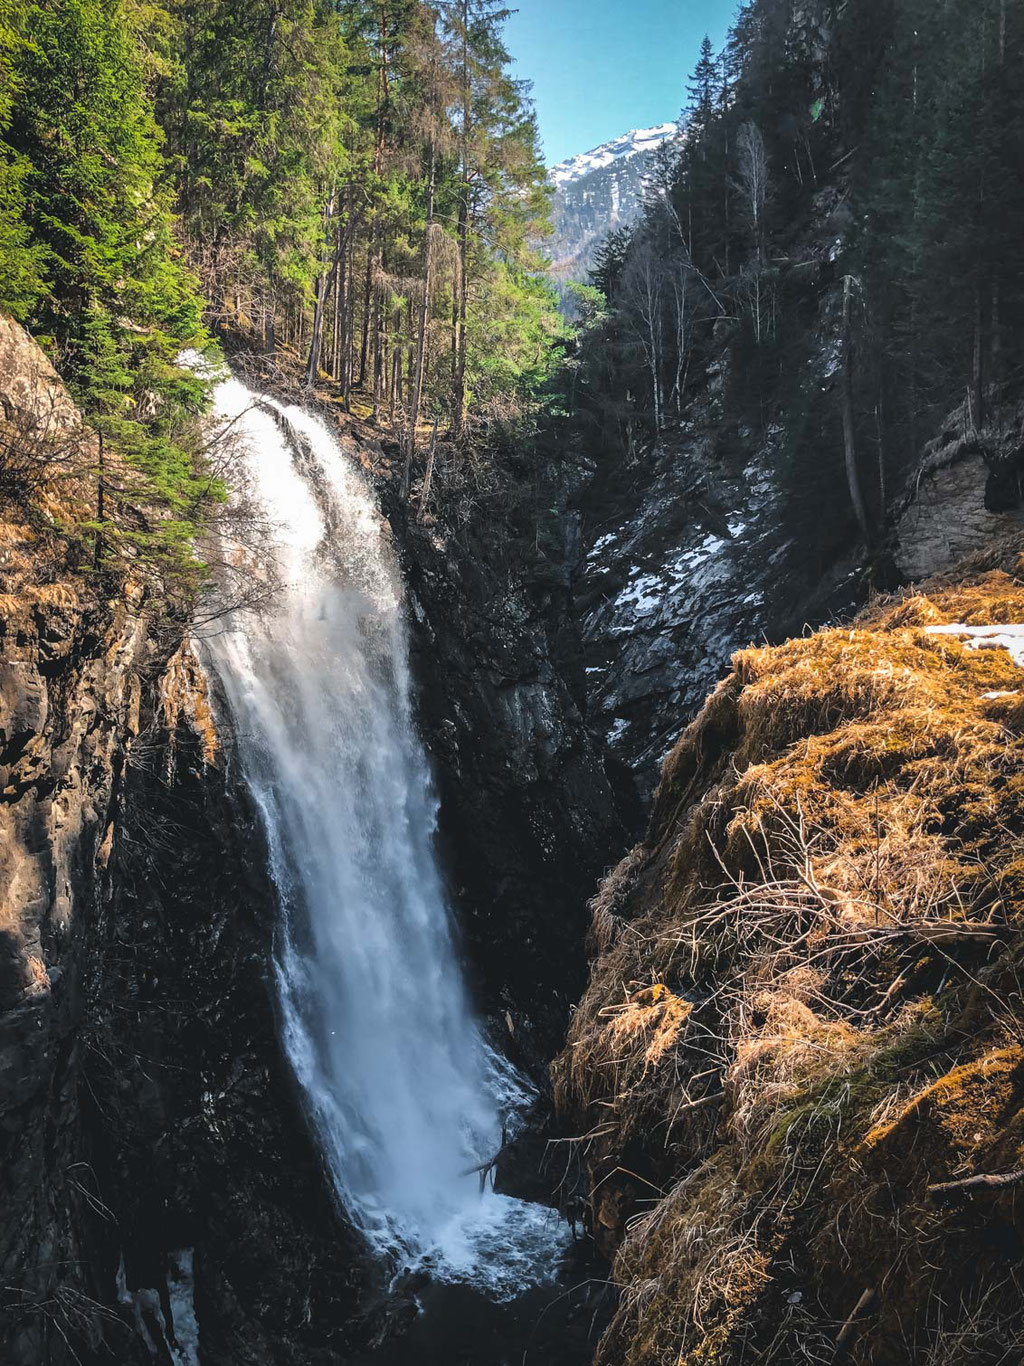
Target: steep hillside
pixel 797 1076
pixel 783 355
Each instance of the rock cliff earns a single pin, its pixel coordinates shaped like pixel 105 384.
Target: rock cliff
pixel 155 1162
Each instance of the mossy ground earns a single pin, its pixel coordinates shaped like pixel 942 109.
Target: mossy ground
pixel 805 1007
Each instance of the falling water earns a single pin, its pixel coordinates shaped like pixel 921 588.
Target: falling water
pixel 406 1095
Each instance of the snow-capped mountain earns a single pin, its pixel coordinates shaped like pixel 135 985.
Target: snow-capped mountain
pixel 631 144
pixel 596 192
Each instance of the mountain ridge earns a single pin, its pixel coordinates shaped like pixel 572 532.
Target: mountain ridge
pixel 595 193
pixel 632 143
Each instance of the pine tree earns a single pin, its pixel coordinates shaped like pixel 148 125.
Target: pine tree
pixel 501 191
pixel 22 259
pixel 703 90
pixel 113 298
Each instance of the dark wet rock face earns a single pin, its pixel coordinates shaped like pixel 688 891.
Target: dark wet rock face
pixel 965 495
pixel 669 586
pixel 158 1175
pixel 197 1128
pixel 687 559
pixel 67 713
pixel 528 820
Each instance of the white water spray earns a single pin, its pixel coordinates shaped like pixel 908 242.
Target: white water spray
pixel 405 1094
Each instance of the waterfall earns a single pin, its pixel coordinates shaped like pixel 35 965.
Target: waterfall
pixel 402 1088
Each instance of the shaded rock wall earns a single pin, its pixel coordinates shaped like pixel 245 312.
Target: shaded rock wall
pixel 528 820
pixel 965 494
pixel 689 556
pixel 70 699
pixel 197 1129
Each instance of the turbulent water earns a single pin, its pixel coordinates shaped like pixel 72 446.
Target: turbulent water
pixel 405 1094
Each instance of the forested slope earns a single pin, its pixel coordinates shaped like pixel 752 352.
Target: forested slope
pixel 347 189
pixel 827 282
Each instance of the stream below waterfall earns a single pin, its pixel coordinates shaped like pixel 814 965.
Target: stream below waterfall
pixel 406 1095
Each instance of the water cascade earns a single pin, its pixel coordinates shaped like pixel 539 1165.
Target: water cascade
pixel 405 1093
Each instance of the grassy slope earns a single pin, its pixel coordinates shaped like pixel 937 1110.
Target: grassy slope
pixel 805 1007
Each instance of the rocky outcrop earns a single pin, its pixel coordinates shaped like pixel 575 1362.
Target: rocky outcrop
pixel 965 494
pixel 528 821
pixel 70 708
pixel 690 554
pixel 681 554
pixel 31 393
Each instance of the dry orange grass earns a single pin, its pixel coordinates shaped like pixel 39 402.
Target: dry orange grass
pixel 184 696
pixel 806 1005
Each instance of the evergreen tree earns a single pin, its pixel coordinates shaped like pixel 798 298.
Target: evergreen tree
pixel 111 294
pixel 703 90
pixel 22 258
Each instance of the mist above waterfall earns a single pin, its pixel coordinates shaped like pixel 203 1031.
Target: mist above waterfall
pixel 406 1095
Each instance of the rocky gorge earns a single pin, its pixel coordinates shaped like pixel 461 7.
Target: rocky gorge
pixel 511 841
pixel 156 1150
pixel 164 1181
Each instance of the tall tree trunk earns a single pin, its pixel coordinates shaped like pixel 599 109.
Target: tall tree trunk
pixel 380 349
pixel 461 288
pixel 459 309
pixel 454 343
pixel 348 327
pixel 100 511
pixel 995 339
pixel 374 253
pixel 395 396
pixel 269 337
pixel 849 446
pixel 339 287
pixel 323 283
pixel 364 349
pixel 416 389
pixel 978 367
pixel 428 478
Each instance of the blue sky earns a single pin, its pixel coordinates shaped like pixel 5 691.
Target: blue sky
pixel 601 67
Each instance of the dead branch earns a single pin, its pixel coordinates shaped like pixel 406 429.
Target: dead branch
pixel 986 1181
pixel 848 1332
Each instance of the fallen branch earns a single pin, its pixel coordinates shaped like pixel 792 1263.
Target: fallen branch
pixel 997 1181
pixel 939 931
pixel 486 1169
pixel 483 1168
pixel 696 1104
pixel 848 1332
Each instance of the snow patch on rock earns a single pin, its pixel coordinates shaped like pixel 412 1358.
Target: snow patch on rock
pixel 633 143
